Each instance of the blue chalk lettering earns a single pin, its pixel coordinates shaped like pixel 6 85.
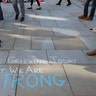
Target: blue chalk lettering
pixel 48 81
pixel 36 81
pixel 21 77
pixel 60 82
pixel 6 79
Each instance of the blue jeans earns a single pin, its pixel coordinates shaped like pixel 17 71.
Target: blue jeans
pixel 91 15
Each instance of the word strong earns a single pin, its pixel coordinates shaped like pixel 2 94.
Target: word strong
pixel 33 80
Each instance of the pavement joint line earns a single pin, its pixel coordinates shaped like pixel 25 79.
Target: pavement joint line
pixel 68 80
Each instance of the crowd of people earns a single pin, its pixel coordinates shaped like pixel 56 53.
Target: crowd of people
pixel 85 15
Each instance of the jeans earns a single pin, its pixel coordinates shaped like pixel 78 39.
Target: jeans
pixel 22 7
pixel 91 15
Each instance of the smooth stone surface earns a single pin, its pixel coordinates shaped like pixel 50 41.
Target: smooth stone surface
pixel 68 43
pixel 82 79
pixel 42 43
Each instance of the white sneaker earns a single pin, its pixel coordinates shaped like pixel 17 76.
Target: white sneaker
pixel 93 29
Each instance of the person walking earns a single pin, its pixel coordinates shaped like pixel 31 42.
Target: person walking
pixel 59 3
pixel 16 9
pixel 39 7
pixel 1 13
pixel 92 12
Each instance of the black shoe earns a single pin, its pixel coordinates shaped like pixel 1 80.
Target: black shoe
pixel 1 19
pixel 38 8
pixel 16 17
pixel 58 4
pixel 22 19
pixel 68 4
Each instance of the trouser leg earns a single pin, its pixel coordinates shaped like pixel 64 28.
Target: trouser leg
pixel 92 9
pixel 22 8
pixel 15 6
pixel 1 13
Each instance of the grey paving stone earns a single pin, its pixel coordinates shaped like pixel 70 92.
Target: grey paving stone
pixel 66 43
pixel 65 32
pixel 42 82
pixel 23 42
pixel 46 20
pixel 67 57
pixel 38 31
pixel 31 23
pixel 12 31
pixel 91 58
pixel 8 80
pixel 3 56
pixel 82 79
pixel 12 24
pixel 27 57
pixel 90 42
pixel 85 32
pixel 7 42
pixel 42 43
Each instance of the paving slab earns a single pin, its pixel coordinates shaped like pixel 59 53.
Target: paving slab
pixel 7 43
pixel 28 23
pixel 11 31
pixel 43 81
pixel 27 57
pixel 42 43
pixel 38 31
pixel 23 42
pixel 90 42
pixel 3 56
pixel 46 20
pixel 65 43
pixel 65 32
pixel 67 57
pixel 7 84
pixel 82 79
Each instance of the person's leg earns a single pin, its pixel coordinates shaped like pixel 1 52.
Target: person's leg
pixel 85 14
pixel 69 3
pixel 86 7
pixel 15 8
pixel 30 5
pixel 59 3
pixel 92 9
pixel 1 13
pixel 22 7
pixel 39 7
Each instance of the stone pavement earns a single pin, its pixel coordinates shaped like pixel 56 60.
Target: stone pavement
pixel 46 54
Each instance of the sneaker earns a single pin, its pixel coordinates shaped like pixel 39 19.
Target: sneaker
pixel 1 19
pixel 16 17
pixel 82 17
pixel 93 29
pixel 22 19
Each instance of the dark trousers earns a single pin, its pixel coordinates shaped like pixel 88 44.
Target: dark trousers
pixel 61 1
pixel 36 1
pixel 1 13
pixel 91 15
